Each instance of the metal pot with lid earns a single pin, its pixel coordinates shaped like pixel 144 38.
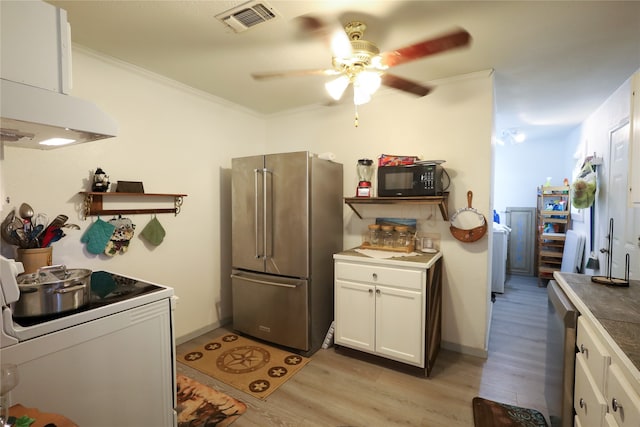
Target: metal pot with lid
pixel 52 290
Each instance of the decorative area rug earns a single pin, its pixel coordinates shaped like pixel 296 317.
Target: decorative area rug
pixel 202 406
pixel 487 413
pixel 249 366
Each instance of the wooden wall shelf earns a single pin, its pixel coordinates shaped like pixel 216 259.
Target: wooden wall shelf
pixel 93 203
pixel 441 201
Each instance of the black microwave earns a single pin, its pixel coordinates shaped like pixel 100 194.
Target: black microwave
pixel 410 180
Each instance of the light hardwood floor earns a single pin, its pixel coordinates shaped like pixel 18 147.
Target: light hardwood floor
pixel 338 390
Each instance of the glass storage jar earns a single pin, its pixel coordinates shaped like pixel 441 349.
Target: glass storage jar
pixel 388 236
pixel 403 237
pixel 374 234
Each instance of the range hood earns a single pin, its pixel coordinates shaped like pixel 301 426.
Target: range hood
pixel 32 115
pixel 35 78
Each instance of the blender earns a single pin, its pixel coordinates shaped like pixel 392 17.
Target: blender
pixel 365 172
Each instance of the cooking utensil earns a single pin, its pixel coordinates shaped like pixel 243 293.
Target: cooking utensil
pixel 467 224
pixel 52 290
pixel 26 212
pixel 58 221
pixel 7 228
pixel 40 219
pixel 51 235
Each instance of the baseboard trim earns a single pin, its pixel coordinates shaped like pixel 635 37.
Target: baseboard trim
pixel 471 351
pixel 188 337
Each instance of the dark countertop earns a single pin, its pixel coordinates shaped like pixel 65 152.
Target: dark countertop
pixel 616 308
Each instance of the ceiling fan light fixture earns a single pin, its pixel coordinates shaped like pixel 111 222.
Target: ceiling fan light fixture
pixel 369 81
pixel 336 87
pixel 360 95
pixel 340 45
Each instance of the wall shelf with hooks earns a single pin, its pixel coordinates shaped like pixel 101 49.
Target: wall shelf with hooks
pixel 441 201
pixel 93 203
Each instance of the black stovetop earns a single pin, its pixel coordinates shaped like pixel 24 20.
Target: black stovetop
pixel 106 288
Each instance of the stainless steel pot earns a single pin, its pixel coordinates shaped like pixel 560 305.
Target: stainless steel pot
pixel 52 290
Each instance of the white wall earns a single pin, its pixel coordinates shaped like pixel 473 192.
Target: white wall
pixel 594 137
pixel 521 168
pixel 174 139
pixel 178 140
pixel 454 123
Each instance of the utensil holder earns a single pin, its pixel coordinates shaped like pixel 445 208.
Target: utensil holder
pixel 32 259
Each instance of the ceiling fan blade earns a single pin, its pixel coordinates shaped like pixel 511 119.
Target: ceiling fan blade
pixel 405 85
pixel 330 31
pixel 425 48
pixel 292 73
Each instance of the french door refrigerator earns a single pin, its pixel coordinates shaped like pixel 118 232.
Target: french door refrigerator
pixel 286 225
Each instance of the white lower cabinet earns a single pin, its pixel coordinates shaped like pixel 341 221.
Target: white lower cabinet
pixel 603 394
pixel 384 310
pixel 624 402
pixel 588 401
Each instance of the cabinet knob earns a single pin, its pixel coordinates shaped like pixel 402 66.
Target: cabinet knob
pixel 378 291
pixel 615 405
pixel 370 291
pixel 582 404
pixel 375 276
pixel 584 350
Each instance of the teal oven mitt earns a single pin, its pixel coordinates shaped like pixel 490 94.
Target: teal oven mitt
pixel 97 236
pixel 154 232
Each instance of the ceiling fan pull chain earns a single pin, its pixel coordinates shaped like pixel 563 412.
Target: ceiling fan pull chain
pixel 356 116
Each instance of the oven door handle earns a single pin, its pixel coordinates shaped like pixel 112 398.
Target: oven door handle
pixel 262 282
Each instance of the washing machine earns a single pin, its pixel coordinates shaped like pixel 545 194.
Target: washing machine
pixel 499 259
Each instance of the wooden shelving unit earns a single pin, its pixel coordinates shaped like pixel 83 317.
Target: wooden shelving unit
pixel 551 231
pixel 441 201
pixel 94 203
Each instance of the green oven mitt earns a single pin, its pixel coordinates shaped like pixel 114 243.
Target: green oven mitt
pixel 154 232
pixel 97 236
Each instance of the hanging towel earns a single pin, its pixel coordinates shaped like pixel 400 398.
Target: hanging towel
pixel 154 232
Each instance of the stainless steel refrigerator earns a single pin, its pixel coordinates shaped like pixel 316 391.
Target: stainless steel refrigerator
pixel 286 225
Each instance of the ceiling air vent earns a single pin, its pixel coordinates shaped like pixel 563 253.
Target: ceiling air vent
pixel 247 15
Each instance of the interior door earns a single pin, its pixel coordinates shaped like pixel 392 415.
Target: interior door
pixel 247 241
pixel 287 222
pixel 521 247
pixel 625 220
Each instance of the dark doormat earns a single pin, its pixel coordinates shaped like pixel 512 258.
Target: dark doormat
pixel 487 413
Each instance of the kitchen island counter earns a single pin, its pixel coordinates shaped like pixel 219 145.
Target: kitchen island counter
pixel 614 309
pixel 421 260
pixel 375 298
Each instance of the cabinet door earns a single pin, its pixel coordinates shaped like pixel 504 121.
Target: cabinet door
pixel 399 325
pixel 594 355
pixel 354 315
pixel 609 421
pixel 624 402
pixel 521 251
pixel 588 401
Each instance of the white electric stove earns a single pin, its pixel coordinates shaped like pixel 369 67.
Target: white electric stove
pixel 109 363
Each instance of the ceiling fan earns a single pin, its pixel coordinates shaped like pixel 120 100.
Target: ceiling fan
pixel 359 62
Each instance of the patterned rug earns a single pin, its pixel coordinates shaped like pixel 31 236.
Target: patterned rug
pixel 487 413
pixel 249 366
pixel 202 406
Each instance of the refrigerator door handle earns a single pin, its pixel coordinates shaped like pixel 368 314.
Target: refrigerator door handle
pixel 256 172
pixel 266 231
pixel 262 282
